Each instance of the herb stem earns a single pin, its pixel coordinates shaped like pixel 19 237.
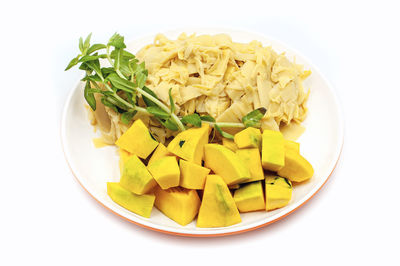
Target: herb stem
pixel 226 124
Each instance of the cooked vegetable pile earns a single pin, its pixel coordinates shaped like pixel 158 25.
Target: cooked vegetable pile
pixel 215 182
pixel 203 170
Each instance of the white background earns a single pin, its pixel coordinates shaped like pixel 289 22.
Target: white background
pixel 46 218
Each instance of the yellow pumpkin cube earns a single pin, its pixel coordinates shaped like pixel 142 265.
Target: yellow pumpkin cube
pixel 225 163
pixel 193 176
pixel 250 197
pixel 161 151
pixel 135 176
pixel 248 138
pixel 273 150
pixel 165 171
pixel 139 204
pixel 292 145
pixel 217 208
pixel 189 144
pixel 137 140
pixel 296 168
pixel 252 159
pixel 179 204
pixel 123 157
pixel 278 192
pixel 230 144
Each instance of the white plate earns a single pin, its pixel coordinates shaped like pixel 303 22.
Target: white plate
pixel 321 144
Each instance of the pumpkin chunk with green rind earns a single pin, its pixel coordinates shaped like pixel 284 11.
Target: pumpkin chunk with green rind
pixel 193 176
pixel 252 159
pixel 189 144
pixel 296 168
pixel 248 138
pixel 273 150
pixel 278 192
pixel 250 197
pixel 217 208
pixel 179 204
pixel 165 171
pixel 225 163
pixel 137 140
pixel 135 176
pixel 139 204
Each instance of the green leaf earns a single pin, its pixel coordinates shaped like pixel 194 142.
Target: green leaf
pixel 223 133
pixel 120 83
pixel 127 117
pixel 207 118
pixel 81 44
pixel 72 63
pixel 193 119
pixel 253 118
pixel 170 124
pixel 117 59
pixel 146 100
pixel 89 97
pixel 117 41
pixel 109 104
pixel 141 79
pixel 158 112
pixel 86 45
pixel 91 57
pixel 171 101
pixel 94 78
pixel 95 47
pixel 94 65
pixel 125 54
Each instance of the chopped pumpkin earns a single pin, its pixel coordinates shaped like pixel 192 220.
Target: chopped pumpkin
pixel 273 150
pixel 179 204
pixel 136 177
pixel 225 163
pixel 161 151
pixel 193 176
pixel 165 171
pixel 248 138
pixel 123 157
pixel 137 140
pixel 296 168
pixel 250 197
pixel 217 208
pixel 278 192
pixel 139 204
pixel 289 144
pixel 230 144
pixel 252 160
pixel 189 144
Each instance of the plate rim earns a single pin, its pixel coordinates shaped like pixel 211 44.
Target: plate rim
pixel 227 230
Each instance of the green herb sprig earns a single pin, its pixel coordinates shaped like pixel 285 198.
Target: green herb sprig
pixel 125 79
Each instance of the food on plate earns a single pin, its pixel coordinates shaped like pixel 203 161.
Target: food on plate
pixel 137 140
pixel 225 163
pixel 230 144
pixel 217 207
pixel 197 120
pixel 278 192
pixel 296 168
pixel 179 204
pixel 136 178
pixel 160 151
pixel 139 204
pixel 193 176
pixel 252 160
pixel 248 138
pixel 189 144
pixel 165 171
pixel 273 150
pixel 250 197
pixel 289 144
